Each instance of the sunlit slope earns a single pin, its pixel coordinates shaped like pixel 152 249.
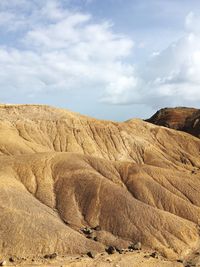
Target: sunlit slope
pixel 31 129
pixel 45 196
pixel 61 171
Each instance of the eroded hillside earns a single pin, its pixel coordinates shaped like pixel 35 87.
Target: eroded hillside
pixel 61 171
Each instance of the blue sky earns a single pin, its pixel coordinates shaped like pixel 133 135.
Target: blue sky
pixel 110 59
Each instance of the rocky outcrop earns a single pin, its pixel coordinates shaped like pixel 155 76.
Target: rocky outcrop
pixel 182 118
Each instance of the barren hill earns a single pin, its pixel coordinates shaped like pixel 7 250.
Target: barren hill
pixel 182 118
pixel 61 171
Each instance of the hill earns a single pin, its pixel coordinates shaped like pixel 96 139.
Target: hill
pixel 181 118
pixel 61 172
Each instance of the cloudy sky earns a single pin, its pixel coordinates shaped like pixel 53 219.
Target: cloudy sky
pixel 110 59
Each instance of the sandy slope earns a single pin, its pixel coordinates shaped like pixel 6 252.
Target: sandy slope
pixel 60 172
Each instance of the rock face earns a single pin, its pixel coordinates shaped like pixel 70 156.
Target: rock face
pixel 183 119
pixel 61 172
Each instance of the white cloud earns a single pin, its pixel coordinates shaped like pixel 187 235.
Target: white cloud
pixel 192 23
pixel 59 49
pixel 170 76
pixel 56 48
pixel 175 71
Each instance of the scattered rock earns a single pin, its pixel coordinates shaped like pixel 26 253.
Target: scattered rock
pixel 50 256
pixel 111 250
pixel 91 254
pixel 135 246
pixel 11 259
pixel 95 239
pixel 154 255
pixel 138 246
pixel 87 231
pixel 2 263
pixel 53 256
pixel 97 228
pixel 120 251
pixel 180 261
pixel 109 260
pixel 146 256
pixel 66 222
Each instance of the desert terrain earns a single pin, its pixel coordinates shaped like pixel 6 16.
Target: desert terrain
pixel 77 191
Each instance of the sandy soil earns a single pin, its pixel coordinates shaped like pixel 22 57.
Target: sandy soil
pixel 130 259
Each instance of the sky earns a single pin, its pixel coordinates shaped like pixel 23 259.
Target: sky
pixel 109 59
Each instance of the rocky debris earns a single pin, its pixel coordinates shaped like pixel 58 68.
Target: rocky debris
pixel 91 254
pixel 92 236
pixel 190 264
pixel 11 259
pixel 111 250
pixel 50 256
pixel 146 256
pixel 179 260
pixel 2 263
pixel 119 250
pixel 87 231
pixel 154 255
pixel 135 246
pixel 97 228
pixel 66 222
